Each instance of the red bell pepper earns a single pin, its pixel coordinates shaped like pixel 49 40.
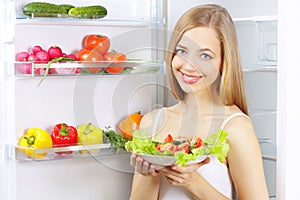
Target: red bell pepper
pixel 64 135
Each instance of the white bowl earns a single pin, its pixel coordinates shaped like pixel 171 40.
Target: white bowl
pixel 168 160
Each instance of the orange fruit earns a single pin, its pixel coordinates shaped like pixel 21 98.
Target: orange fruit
pixel 130 124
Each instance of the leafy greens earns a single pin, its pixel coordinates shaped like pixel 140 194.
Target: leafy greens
pixel 216 144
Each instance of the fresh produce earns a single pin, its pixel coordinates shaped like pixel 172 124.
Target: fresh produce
pixel 184 150
pixel 99 42
pixel 67 7
pixel 114 57
pixel 42 56
pixel 64 135
pixel 116 140
pixel 36 49
pixel 170 146
pixel 22 56
pixel 93 12
pixel 54 52
pixel 38 55
pixel 46 71
pixel 89 134
pixel 35 138
pixel 130 124
pixel 24 68
pixel 43 9
pixel 91 56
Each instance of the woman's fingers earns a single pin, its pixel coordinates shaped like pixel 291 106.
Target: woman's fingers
pixel 133 160
pixel 190 168
pixel 143 167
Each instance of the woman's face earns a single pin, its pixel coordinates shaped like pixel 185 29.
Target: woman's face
pixel 197 61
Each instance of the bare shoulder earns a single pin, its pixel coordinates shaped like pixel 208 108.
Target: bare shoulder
pixel 240 126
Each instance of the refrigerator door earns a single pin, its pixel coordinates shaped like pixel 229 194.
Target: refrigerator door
pixel 75 100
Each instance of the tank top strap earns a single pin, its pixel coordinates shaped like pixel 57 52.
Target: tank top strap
pixel 156 122
pixel 232 116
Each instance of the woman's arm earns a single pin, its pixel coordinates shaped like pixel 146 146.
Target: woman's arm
pixel 245 160
pixel 145 187
pixel 146 180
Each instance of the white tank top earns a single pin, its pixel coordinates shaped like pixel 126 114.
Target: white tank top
pixel 215 172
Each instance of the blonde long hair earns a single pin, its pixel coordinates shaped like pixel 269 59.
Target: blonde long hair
pixel 231 87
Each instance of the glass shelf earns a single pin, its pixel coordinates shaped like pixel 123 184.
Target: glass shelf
pixel 80 68
pixel 69 152
pixel 267 18
pixel 263 69
pixel 96 22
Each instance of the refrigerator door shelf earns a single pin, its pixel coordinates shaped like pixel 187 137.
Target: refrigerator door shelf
pixel 22 153
pixel 145 11
pixel 74 68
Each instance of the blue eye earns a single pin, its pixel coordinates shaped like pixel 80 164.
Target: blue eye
pixel 205 56
pixel 180 52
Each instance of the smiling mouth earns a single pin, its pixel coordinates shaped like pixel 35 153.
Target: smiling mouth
pixel 189 78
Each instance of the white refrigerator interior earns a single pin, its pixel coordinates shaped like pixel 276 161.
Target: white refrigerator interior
pixel 103 100
pixel 137 28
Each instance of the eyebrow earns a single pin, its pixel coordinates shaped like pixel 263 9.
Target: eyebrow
pixel 200 50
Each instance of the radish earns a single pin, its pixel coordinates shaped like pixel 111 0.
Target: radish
pixel 55 52
pixel 72 56
pixel 32 58
pixel 25 68
pixel 42 56
pixel 22 56
pixel 36 49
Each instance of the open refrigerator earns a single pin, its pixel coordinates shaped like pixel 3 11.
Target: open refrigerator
pixel 139 28
pixel 102 99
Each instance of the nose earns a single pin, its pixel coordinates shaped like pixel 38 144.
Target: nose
pixel 189 66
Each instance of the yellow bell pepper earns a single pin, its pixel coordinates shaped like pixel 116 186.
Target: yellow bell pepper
pixel 89 134
pixel 35 138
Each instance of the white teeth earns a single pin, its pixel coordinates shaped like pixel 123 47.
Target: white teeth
pixel 191 78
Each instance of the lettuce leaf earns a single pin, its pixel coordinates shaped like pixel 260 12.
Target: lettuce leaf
pixel 216 144
pixel 141 143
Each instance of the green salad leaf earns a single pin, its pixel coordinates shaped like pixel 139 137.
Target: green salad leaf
pixel 216 144
pixel 141 143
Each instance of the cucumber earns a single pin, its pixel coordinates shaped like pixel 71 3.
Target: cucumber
pixel 66 6
pixel 91 12
pixel 43 9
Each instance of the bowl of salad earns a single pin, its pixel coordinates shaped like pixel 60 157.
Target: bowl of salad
pixel 181 151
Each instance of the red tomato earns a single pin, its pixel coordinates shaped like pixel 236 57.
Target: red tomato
pixel 90 55
pixel 114 57
pixel 184 147
pixel 169 138
pixel 199 142
pixel 99 42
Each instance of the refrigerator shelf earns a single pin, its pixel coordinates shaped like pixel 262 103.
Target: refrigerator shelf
pixel 22 153
pixel 67 21
pixel 83 68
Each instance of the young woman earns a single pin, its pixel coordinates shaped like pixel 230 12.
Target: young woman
pixel 206 78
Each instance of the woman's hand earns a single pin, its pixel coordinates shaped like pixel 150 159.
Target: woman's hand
pixel 143 167
pixel 182 176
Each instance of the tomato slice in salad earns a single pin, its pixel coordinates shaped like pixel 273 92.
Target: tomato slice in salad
pixel 171 145
pixel 169 138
